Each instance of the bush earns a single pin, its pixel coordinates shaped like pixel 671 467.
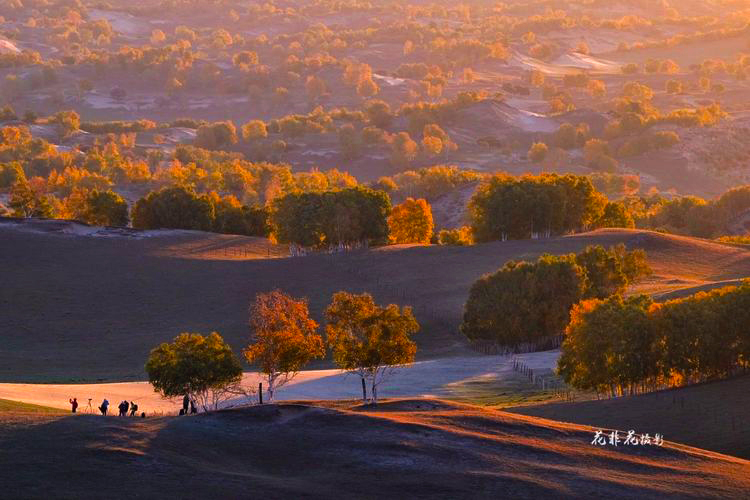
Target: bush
pixel 458 237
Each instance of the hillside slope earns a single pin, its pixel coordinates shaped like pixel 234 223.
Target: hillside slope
pixel 408 448
pixel 711 415
pixel 147 290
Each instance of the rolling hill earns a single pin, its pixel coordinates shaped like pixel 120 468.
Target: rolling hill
pixel 148 287
pixel 402 448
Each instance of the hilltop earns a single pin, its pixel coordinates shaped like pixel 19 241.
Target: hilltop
pixel 414 448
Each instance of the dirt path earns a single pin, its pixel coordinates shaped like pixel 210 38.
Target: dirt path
pixel 426 378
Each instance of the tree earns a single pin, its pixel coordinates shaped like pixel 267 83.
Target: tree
pixel 254 130
pixel 98 208
pixel 615 215
pixel 610 345
pixel 25 201
pixel 538 152
pixel 379 113
pixel 315 87
pixel 341 216
pixel 203 368
pixel 411 222
pixel 216 135
pixel 174 208
pixel 67 122
pixel 367 339
pixel 403 149
pixel 284 338
pixel 505 207
pixel 523 302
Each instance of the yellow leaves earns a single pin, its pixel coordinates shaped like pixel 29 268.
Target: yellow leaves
pixel 411 222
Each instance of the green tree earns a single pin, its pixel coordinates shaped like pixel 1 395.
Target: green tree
pixel 368 339
pixel 203 368
pixel 524 302
pixel 174 208
pixel 320 219
pixel 284 338
pixel 103 208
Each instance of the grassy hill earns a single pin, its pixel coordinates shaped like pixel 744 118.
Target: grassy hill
pixel 406 448
pixel 83 308
pixel 712 416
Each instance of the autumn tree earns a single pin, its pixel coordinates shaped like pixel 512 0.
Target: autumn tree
pixel 284 338
pixel 98 208
pixel 368 339
pixel 216 135
pixel 203 368
pixel 538 152
pixel 609 345
pixel 403 149
pixel 254 130
pixel 27 200
pixel 411 222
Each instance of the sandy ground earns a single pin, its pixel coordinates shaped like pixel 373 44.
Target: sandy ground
pixel 421 379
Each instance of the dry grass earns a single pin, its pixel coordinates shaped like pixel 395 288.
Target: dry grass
pixel 80 309
pixel 403 448
pixel 712 416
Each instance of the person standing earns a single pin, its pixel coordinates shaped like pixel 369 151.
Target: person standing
pixel 103 408
pixel 133 408
pixel 185 403
pixel 73 405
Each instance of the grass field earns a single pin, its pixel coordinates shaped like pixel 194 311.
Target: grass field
pixel 7 406
pixel 402 448
pixel 712 416
pixel 146 291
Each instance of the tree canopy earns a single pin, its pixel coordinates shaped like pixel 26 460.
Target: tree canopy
pixel 368 339
pixel 525 302
pixel 200 367
pixel 284 338
pixel 319 219
pixel 411 222
pixel 506 207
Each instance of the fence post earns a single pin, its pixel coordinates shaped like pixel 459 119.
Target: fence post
pixel 260 392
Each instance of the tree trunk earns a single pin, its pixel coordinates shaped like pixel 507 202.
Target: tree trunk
pixel 364 390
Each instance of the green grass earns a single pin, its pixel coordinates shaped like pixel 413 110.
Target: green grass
pixel 499 393
pixel 16 406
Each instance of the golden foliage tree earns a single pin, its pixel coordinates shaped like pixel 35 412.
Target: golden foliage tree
pixel 411 222
pixel 285 338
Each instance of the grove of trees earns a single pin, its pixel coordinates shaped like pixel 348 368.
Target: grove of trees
pixel 528 302
pixel 507 207
pixel 621 346
pixel 321 219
